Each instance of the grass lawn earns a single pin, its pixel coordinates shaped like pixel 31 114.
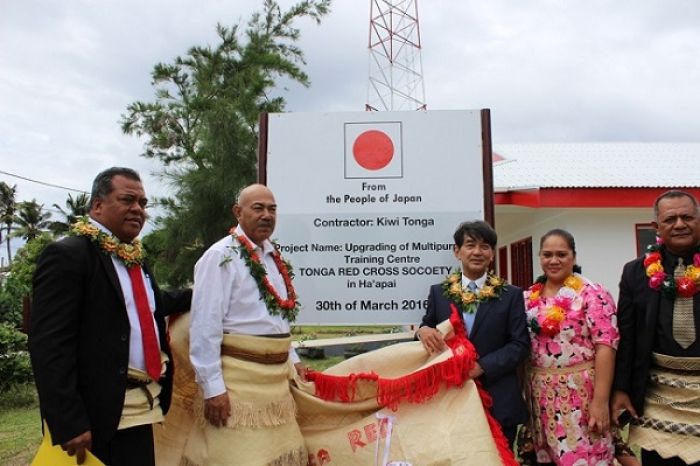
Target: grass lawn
pixel 306 332
pixel 321 364
pixel 20 434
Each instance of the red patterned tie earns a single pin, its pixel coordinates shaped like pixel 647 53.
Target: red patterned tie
pixel 151 352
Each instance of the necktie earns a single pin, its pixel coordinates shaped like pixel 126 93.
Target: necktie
pixel 683 318
pixel 470 317
pixel 151 352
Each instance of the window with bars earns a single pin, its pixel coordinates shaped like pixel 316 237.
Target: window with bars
pixel 503 262
pixel 645 235
pixel 521 263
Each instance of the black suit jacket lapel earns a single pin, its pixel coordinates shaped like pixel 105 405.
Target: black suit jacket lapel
pixel 446 306
pixel 111 272
pixel 481 310
pixel 653 300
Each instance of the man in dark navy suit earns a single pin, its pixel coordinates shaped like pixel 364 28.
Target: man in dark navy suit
pixel 494 316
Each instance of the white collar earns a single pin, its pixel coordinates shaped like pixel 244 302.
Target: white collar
pixel 102 228
pixel 267 246
pixel 480 282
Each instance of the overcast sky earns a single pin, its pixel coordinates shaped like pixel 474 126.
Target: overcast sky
pixel 549 70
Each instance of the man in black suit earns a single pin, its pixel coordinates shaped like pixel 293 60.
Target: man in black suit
pixel 98 339
pixel 494 316
pixel 657 368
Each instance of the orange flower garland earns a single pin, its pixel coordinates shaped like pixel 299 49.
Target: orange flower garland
pixel 287 308
pixel 468 300
pixel 129 253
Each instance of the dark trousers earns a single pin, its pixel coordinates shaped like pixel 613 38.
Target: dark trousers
pixel 510 433
pixel 128 447
pixel 651 458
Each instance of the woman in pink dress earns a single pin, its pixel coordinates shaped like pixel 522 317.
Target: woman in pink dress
pixel 573 329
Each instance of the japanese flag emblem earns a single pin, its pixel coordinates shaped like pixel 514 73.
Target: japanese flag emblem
pixel 373 150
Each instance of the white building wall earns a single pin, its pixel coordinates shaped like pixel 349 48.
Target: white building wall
pixel 605 238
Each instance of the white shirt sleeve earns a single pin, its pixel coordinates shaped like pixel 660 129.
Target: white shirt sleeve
pixel 293 355
pixel 213 282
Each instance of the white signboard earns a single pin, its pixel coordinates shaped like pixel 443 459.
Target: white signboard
pixel 367 205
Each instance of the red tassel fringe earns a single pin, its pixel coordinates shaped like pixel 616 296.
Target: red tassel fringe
pixel 417 387
pixel 338 387
pixel 504 451
pixel 420 386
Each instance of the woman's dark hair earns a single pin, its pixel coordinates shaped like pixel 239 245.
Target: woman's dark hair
pixel 566 236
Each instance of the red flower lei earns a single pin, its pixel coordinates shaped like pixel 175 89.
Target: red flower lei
pixel 685 286
pixel 287 308
pixel 549 317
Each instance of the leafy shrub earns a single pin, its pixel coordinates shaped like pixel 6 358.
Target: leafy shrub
pixel 15 367
pixel 18 283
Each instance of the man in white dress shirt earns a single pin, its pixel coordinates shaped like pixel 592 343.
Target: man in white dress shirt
pixel 240 346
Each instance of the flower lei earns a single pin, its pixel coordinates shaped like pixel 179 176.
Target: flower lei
pixel 129 253
pixel 549 318
pixel 685 286
pixel 468 300
pixel 287 308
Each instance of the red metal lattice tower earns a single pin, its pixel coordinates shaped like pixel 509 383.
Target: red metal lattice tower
pixel 395 66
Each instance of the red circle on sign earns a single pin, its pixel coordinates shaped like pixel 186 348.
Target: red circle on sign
pixel 373 150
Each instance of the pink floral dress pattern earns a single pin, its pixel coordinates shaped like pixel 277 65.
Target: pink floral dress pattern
pixel 562 376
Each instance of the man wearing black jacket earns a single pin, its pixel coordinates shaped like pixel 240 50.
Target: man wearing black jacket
pixel 98 339
pixel 657 369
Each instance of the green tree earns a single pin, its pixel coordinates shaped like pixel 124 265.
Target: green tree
pixel 15 367
pixel 8 204
pixel 18 283
pixel 76 207
pixel 203 125
pixel 31 220
pixel 155 245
